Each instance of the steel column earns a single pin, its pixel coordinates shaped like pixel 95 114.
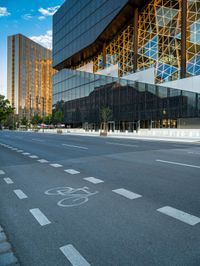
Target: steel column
pixel 136 16
pixel 183 37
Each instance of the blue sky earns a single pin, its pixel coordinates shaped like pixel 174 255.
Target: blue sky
pixel 31 18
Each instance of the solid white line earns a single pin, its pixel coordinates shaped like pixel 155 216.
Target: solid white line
pixel 74 146
pixel 180 215
pixel 74 256
pixel 40 217
pixel 93 180
pixel 121 144
pixel 8 180
pixel 182 164
pixel 2 172
pixel 43 161
pixel 126 193
pixel 20 194
pixel 33 156
pixel 72 171
pixel 55 165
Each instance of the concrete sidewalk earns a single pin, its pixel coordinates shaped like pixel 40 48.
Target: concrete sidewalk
pixel 175 135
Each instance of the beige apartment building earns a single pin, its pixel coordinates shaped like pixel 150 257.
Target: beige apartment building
pixel 29 77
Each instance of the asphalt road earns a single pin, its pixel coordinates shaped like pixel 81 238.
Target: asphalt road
pixel 119 202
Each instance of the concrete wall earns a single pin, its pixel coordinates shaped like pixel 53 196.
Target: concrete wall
pixel 188 84
pixel 146 76
pixel 109 71
pixel 189 123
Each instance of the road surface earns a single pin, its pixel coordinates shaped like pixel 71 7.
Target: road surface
pixel 77 200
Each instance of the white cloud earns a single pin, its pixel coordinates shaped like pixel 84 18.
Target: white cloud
pixel 27 16
pixel 4 12
pixel 46 12
pixel 41 18
pixel 45 40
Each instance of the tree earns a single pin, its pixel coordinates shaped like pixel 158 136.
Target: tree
pixel 24 122
pixel 47 119
pixel 36 119
pixel 11 121
pixel 58 117
pixel 5 109
pixel 106 114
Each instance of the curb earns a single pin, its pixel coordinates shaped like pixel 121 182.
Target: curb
pixel 7 257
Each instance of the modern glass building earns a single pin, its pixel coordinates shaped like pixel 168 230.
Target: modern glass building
pixel 140 58
pixel 29 77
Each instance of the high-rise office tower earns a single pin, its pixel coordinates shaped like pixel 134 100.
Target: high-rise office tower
pixel 29 74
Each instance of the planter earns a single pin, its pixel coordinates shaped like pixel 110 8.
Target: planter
pixel 104 134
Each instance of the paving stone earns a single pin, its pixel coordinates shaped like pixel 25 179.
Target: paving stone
pixel 2 237
pixel 7 259
pixel 4 247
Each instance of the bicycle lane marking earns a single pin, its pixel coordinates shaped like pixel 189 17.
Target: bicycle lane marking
pixel 72 197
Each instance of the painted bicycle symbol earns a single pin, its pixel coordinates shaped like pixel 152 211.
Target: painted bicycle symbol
pixel 72 196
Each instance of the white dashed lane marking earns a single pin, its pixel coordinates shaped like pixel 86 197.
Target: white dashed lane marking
pixel 55 165
pixel 180 215
pixel 126 193
pixel 196 153
pixel 43 161
pixel 121 144
pixel 74 256
pixel 2 172
pixel 8 180
pixel 20 194
pixel 74 146
pixel 38 140
pixel 20 151
pixel 33 156
pixel 181 164
pixel 72 171
pixel 93 180
pixel 26 153
pixel 39 216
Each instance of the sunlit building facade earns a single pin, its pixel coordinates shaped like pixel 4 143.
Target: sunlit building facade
pixel 29 77
pixel 150 46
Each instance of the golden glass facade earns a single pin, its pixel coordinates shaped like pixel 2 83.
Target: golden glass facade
pixel 159 41
pixel 193 38
pixel 29 78
pixel 118 51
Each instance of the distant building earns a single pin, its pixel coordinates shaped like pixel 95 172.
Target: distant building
pixel 29 77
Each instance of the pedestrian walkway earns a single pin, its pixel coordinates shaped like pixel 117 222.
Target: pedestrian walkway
pixel 174 135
